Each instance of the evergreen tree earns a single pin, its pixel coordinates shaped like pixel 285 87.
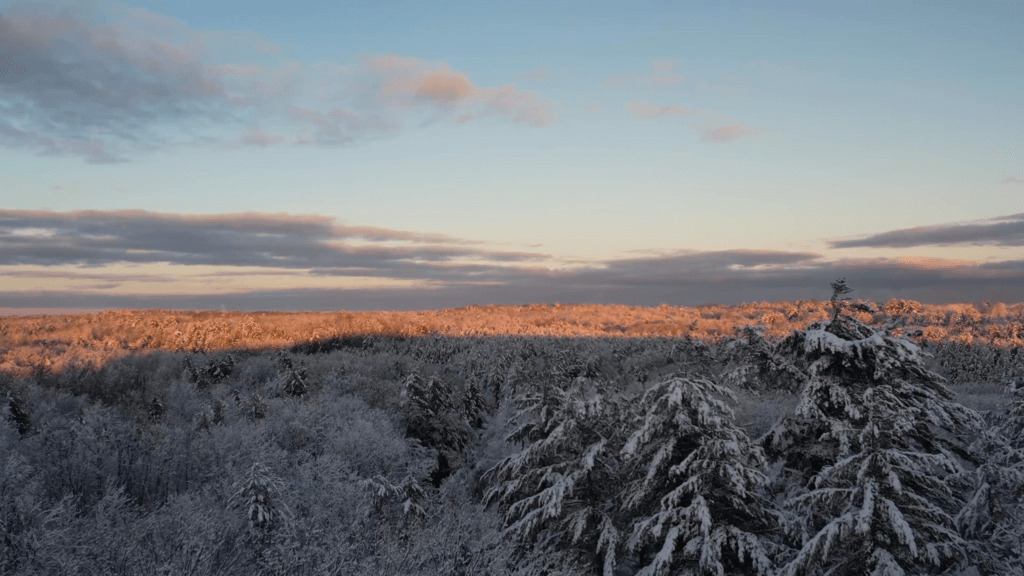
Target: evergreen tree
pixel 992 520
pixel 559 493
pixel 473 404
pixel 885 508
pixel 752 362
pixel 698 502
pixel 433 418
pixel 19 412
pixel 293 379
pixel 873 432
pixel 258 495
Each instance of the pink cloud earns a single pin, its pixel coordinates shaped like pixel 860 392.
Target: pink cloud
pixel 148 82
pixel 1013 180
pixel 727 134
pixel 648 110
pixel 611 81
pixel 444 87
pixel 403 83
pixel 664 73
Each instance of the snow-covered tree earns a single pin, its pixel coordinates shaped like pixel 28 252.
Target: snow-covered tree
pixel 433 418
pixel 432 415
pixel 293 379
pixel 992 520
pixel 258 496
pixel 886 508
pixel 19 412
pixel 753 362
pixel 560 491
pixel 874 434
pixel 473 404
pixel 697 504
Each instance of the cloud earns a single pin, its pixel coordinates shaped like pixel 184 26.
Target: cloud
pixel 70 87
pixel 89 250
pixel 260 138
pixel 726 134
pixel 142 82
pixel 648 110
pixel 663 73
pixel 1013 180
pixel 274 241
pixel 695 278
pixel 999 231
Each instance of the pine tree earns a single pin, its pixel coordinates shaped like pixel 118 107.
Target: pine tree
pixel 886 507
pixel 559 493
pixel 752 362
pixel 156 409
pixel 293 378
pixel 473 404
pixel 698 501
pixel 258 496
pixel 19 412
pixel 992 520
pixel 433 418
pixel 874 434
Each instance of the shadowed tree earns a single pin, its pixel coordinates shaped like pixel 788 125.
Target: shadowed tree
pixel 873 434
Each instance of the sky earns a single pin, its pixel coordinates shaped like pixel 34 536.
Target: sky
pixel 414 154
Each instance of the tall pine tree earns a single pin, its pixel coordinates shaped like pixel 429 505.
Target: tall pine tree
pixel 697 505
pixel 875 433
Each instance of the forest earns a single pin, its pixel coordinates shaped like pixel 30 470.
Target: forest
pixel 832 437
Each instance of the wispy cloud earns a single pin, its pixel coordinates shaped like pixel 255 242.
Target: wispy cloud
pixel 687 279
pixel 999 231
pixel 1013 180
pixel 274 241
pixel 89 250
pixel 648 110
pixel 726 134
pixel 402 83
pixel 146 82
pixel 663 73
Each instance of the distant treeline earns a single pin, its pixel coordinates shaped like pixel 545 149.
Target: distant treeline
pixel 53 343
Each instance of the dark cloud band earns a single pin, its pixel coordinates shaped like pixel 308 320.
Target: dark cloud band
pixel 95 238
pixel 1001 231
pixel 447 271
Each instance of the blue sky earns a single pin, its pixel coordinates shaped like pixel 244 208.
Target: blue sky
pixel 322 155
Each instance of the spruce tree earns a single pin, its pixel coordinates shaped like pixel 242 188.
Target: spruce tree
pixel 559 493
pixel 751 361
pixel 874 434
pixel 433 418
pixel 697 504
pixel 992 520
